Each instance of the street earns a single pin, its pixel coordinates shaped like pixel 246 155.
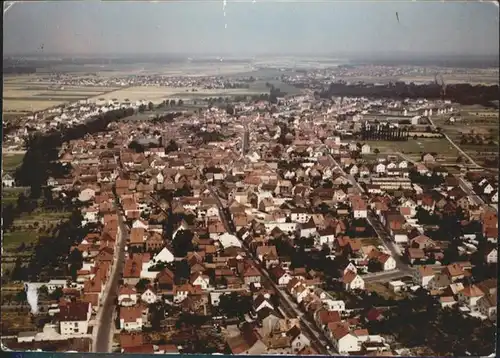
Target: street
pixel 105 321
pixel 318 340
pixel 374 221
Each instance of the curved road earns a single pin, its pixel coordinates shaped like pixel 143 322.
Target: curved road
pixel 103 339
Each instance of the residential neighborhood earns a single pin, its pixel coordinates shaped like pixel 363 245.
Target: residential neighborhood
pixel 273 232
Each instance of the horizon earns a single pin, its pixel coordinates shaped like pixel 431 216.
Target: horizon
pixel 243 29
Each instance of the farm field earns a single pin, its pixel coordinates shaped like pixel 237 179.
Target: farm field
pixel 21 94
pixel 11 161
pixel 9 195
pixel 12 240
pixel 159 94
pixel 414 148
pixel 474 120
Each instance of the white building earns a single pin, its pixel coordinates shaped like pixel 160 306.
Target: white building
pixel 74 318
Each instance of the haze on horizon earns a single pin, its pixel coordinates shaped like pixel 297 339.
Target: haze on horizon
pixel 306 28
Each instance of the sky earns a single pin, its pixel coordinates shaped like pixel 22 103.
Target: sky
pixel 262 27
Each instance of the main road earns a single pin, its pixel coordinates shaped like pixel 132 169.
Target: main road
pixel 102 342
pixel 318 340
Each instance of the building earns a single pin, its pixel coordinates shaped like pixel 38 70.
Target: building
pixel 74 318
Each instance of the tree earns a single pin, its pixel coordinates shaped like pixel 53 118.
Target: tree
pixel 57 294
pixel 376 151
pixel 157 312
pixel 142 108
pixel 230 110
pixel 43 290
pixel 21 296
pixel 150 106
pixel 138 148
pixel 234 305
pixel 172 146
pixel 182 243
pixel 374 266
pixel 142 285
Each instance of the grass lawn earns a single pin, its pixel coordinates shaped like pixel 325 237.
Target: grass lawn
pixel 12 240
pixel 11 161
pixel 382 290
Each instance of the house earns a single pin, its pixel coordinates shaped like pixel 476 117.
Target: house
pixel 386 260
pixel 423 275
pixel 164 256
pixel 149 296
pixel 353 281
pixel 492 256
pixel 359 208
pixel 86 194
pixel 326 236
pixel 365 149
pixel 297 339
pixel 127 296
pixel 487 306
pixel 470 295
pixel 428 158
pixel 199 279
pixel 280 276
pixel 343 340
pixel 251 275
pixel 8 181
pixel 129 340
pixel 74 318
pixel 131 318
pixel 262 301
pixel 324 317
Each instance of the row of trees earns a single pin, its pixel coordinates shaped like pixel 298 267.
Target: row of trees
pixel 40 160
pixel 462 93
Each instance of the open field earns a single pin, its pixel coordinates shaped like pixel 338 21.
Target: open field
pixel 383 290
pixel 415 148
pixel 12 240
pixel 11 161
pixel 159 94
pixel 9 195
pixel 474 120
pixel 20 94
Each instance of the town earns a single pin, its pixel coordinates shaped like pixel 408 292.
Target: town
pixel 258 224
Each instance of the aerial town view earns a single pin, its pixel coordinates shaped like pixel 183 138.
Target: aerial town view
pixel 174 189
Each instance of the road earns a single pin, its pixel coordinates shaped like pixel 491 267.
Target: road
pixel 374 221
pixel 104 321
pixel 318 340
pixel 467 188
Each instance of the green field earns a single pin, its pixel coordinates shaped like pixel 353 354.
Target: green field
pixel 11 161
pixel 9 195
pixel 12 240
pixel 473 122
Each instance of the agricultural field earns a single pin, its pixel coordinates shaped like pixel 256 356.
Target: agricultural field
pixel 10 162
pixel 474 122
pixel 159 94
pixel 12 240
pixel 10 195
pixel 414 148
pixel 21 94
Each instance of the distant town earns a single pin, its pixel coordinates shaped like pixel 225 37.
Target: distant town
pixel 269 212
